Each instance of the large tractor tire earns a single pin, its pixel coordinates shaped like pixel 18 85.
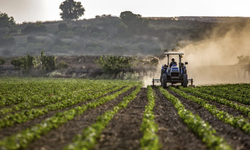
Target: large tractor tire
pixel 164 81
pixel 185 80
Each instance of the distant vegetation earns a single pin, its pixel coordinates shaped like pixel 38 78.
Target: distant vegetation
pixel 30 62
pixel 115 64
pixel 2 61
pixel 7 26
pixel 34 28
pixel 134 22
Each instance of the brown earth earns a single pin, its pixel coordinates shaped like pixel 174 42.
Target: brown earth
pixel 123 131
pixel 173 133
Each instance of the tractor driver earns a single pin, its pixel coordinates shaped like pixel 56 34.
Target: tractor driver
pixel 173 63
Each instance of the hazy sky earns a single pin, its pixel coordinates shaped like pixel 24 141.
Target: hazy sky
pixel 47 10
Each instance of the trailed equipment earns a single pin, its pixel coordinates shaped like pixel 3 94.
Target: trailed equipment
pixel 174 72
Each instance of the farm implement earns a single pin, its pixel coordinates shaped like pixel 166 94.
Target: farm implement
pixel 174 73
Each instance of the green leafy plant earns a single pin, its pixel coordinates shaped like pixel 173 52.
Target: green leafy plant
pixel 237 122
pixel 244 109
pixel 201 128
pixel 236 93
pixel 25 115
pixel 150 139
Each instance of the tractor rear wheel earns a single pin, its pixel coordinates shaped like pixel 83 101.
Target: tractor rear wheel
pixel 164 81
pixel 185 80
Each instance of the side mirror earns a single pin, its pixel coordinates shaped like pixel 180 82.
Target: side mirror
pixel 186 63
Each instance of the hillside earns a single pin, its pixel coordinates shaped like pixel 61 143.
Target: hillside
pixel 103 35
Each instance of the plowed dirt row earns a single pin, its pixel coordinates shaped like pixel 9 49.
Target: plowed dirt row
pixel 235 137
pixel 60 137
pixel 123 131
pixel 19 127
pixel 173 133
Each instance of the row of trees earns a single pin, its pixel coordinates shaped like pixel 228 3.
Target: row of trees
pixel 72 10
pixel 28 62
pixel 115 64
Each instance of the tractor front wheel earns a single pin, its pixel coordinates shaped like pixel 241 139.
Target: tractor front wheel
pixel 164 81
pixel 185 80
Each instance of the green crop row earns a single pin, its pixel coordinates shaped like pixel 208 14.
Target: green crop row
pixel 45 102
pixel 236 87
pixel 237 122
pixel 244 109
pixel 90 134
pixel 242 97
pixel 150 139
pixel 25 115
pixel 241 90
pixel 22 139
pixel 43 90
pixel 201 128
pixel 31 92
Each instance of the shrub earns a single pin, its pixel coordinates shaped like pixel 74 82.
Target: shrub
pixel 131 76
pixel 65 34
pixel 63 27
pixel 34 28
pixel 2 61
pixel 62 65
pixel 48 62
pixel 27 62
pixel 31 39
pixel 16 62
pixel 114 64
pixel 7 40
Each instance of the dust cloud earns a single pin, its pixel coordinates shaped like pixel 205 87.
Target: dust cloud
pixel 214 60
pixel 147 80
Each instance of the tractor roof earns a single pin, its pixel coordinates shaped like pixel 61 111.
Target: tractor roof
pixel 174 53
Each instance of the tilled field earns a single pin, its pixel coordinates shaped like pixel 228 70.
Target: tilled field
pixel 101 114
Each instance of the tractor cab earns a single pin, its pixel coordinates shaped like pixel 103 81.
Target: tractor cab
pixel 174 72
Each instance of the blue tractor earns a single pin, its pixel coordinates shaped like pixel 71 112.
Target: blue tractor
pixel 174 72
